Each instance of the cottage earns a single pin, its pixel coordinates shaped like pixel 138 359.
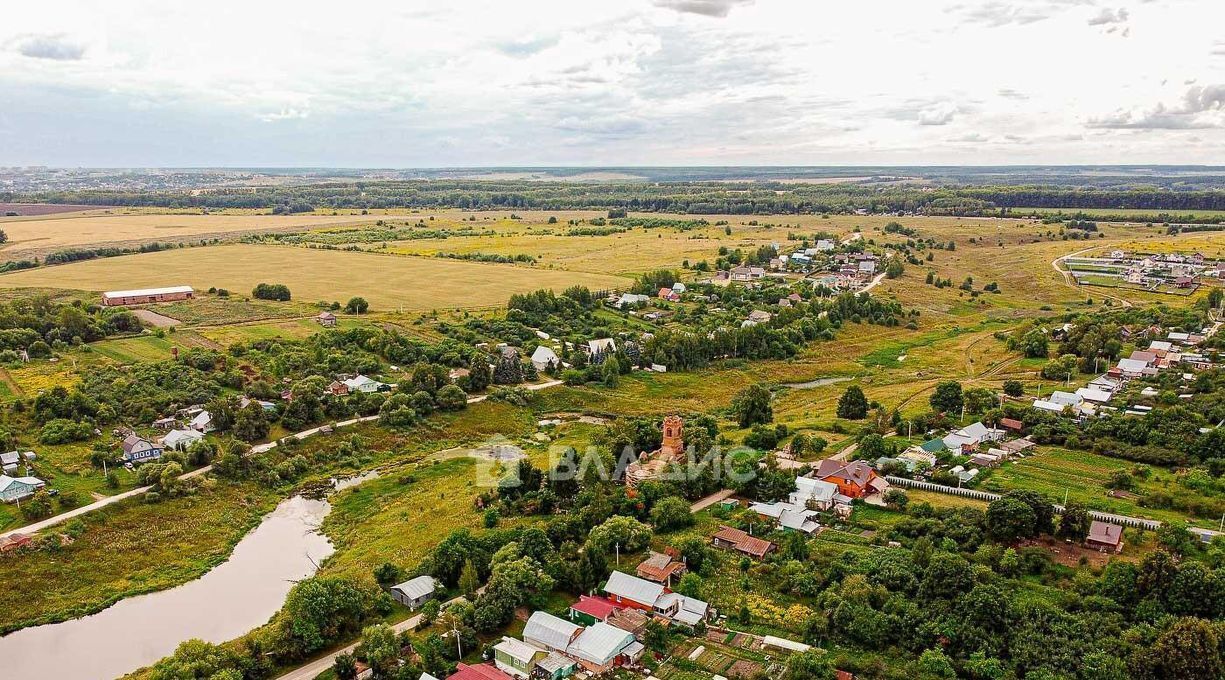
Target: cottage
pixel 203 422
pixel 855 480
pixel 361 383
pixel 9 461
pixel 167 423
pixel 545 358
pixel 1105 536
pixel 1094 395
pixel 1132 368
pixel 747 273
pixel 790 516
pixel 589 609
pixel 601 647
pixel 631 300
pixel 971 436
pixel 18 488
pixel 660 568
pixel 180 440
pixel 735 539
pixel 1065 399
pixel 669 295
pixel 549 632
pixel 414 593
pixel 137 449
pixel 517 657
pixel 919 456
pixel 759 316
pixel 1012 424
pixel 628 591
pixel 480 671
pixel 326 319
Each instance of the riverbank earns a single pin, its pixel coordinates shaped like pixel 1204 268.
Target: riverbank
pixel 239 594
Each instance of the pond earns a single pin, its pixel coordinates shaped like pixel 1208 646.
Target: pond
pixel 236 596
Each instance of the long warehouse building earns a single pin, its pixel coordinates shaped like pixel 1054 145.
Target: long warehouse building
pixel 142 296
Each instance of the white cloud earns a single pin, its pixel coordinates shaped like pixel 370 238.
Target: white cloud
pixel 470 82
pixel 1109 16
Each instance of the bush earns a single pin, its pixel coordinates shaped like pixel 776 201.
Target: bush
pixel 271 291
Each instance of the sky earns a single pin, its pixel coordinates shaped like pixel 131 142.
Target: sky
pixel 134 83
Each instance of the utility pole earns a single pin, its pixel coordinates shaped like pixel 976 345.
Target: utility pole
pixel 618 545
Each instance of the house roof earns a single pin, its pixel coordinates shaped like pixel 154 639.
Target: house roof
pixel 600 643
pixel 9 458
pixel 148 291
pixel 633 588
pixel 417 588
pixel 817 489
pixel 1104 532
pixel 553 632
pixel 658 567
pixel 175 436
pixel 744 542
pixel 598 607
pixel 933 445
pixel 1146 357
pixel 1048 406
pixel 857 472
pixel 518 649
pixel 481 671
pixel 554 662
pixel 133 441
pixel 1065 398
pixel 602 345
pixel 1132 365
pixel 6 482
pixel 544 354
pixel 202 419
pixel 1012 423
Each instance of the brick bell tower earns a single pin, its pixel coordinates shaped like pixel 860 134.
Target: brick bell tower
pixel 674 443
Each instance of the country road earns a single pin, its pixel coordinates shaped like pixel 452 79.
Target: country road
pixel 259 448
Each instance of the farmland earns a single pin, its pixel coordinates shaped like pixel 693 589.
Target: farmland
pixel 386 281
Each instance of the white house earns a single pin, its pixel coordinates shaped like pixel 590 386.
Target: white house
pixel 1132 368
pixel 971 436
pixel 361 383
pixel 180 440
pixel 203 422
pixel 1065 398
pixel 632 299
pixel 543 357
pixel 9 460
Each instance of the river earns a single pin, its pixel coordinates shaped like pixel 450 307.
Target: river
pixel 236 596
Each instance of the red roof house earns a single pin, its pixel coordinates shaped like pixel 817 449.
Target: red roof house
pixel 855 479
pixel 1105 536
pixel 597 608
pixel 482 671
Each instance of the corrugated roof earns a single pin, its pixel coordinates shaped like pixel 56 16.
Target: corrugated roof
pixel 148 291
pixel 600 643
pixel 416 588
pixel 545 629
pixel 633 588
pixel 518 649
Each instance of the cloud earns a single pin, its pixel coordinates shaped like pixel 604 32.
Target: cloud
pixel 938 114
pixel 973 137
pixel 527 47
pixel 1109 16
pixel 1009 93
pixel 56 47
pixel 1002 14
pixel 1201 107
pixel 1218 48
pixel 707 8
pixel 287 113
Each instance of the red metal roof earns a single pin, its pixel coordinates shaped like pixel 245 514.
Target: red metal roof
pixel 599 607
pixel 478 672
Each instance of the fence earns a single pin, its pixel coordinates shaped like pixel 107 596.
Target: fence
pixel 1124 520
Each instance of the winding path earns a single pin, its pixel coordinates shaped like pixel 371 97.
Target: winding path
pixel 1070 281
pixel 259 448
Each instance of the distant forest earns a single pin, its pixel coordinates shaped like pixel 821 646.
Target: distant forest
pixel 699 198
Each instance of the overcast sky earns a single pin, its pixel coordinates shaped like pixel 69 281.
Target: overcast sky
pixel 611 82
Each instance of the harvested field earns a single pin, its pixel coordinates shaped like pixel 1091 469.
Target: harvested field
pixel 388 282
pixel 154 319
pixel 60 232
pixel 38 209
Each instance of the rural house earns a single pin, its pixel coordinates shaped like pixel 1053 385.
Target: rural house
pixel 414 592
pixel 544 357
pixel 137 449
pixel 360 383
pixel 855 480
pixel 1105 537
pixel 735 539
pixel 18 488
pixel 601 647
pixel 480 671
pixel 517 657
pixel 589 609
pixel 203 422
pixel 9 460
pixel 660 568
pixel 549 632
pixel 326 319
pixel 180 440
